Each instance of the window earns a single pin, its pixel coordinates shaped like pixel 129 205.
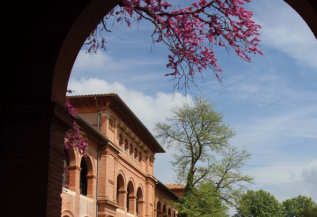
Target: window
pixel 126 145
pixel 120 141
pixel 120 191
pixel 131 149
pixel 111 122
pixel 139 202
pixel 140 156
pixel 130 202
pixel 83 177
pixel 135 153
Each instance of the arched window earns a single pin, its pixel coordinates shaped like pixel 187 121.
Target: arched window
pixel 131 148
pixel 130 194
pixel 83 177
pixel 139 201
pixel 140 156
pixel 111 123
pixel 120 191
pixel 126 145
pixel 135 153
pixel 164 210
pixel 158 209
pixel 120 141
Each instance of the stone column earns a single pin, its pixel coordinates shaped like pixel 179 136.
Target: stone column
pixel 141 208
pixel 74 176
pixel 132 204
pixel 104 122
pixel 102 174
pixel 159 213
pixel 122 199
pixel 91 188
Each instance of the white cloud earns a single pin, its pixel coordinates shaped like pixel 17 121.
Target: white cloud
pixel 102 61
pixel 148 109
pixel 310 173
pixel 284 30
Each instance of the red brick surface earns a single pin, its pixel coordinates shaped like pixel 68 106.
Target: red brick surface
pixel 116 165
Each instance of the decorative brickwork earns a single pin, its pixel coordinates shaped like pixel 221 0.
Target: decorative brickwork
pixel 125 184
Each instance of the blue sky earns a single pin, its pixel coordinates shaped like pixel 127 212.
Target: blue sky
pixel 271 102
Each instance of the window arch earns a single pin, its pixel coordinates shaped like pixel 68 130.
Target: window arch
pixel 120 191
pixel 120 141
pixel 139 202
pixel 83 177
pixel 126 145
pixel 111 122
pixel 130 198
pixel 135 153
pixel 131 148
pixel 67 213
pixel 164 210
pixel 158 209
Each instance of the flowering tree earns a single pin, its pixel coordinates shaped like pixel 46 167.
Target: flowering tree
pixel 190 33
pixel 74 137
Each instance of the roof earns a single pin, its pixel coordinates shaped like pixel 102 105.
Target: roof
pixel 167 189
pixel 175 186
pixel 127 116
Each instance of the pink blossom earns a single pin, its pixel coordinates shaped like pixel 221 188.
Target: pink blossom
pixel 188 33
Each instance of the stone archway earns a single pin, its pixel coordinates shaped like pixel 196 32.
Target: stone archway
pixel 121 191
pixel 45 38
pixel 131 198
pixel 307 9
pixel 140 202
pixel 159 209
pixel 33 115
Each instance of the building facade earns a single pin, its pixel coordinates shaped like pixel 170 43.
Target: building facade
pixel 116 178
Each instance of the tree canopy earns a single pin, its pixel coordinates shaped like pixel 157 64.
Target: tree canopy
pixel 202 151
pixel 300 206
pixel 258 204
pixel 202 202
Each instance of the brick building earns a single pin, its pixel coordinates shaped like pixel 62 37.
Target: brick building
pixel 117 176
pixel 177 189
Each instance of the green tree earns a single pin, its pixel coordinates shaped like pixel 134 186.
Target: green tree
pixel 309 212
pixel 258 204
pixel 202 202
pixel 300 206
pixel 196 133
